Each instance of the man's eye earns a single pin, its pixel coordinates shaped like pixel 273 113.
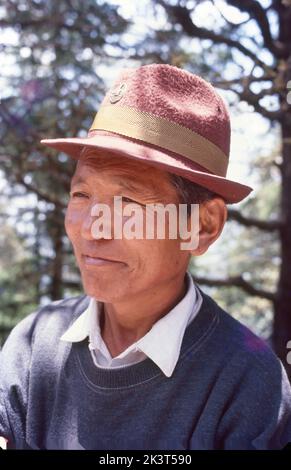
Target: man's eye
pixel 127 199
pixel 78 194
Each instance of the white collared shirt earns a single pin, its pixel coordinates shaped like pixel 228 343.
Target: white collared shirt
pixel 162 343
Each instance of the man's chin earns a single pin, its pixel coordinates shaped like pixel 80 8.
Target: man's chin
pixel 104 290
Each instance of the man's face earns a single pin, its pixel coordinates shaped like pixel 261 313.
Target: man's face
pixel 137 266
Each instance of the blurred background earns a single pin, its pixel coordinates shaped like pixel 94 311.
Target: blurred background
pixel 57 58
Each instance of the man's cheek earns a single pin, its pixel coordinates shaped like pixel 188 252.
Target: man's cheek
pixel 72 222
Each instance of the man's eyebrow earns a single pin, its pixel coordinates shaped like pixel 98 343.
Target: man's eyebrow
pixel 77 180
pixel 124 183
pixel 128 184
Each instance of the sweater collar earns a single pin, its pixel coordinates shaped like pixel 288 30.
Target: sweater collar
pixel 162 343
pixel 144 372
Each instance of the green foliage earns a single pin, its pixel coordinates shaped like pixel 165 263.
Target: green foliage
pixel 52 89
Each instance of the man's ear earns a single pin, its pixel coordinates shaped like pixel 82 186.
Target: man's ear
pixel 212 217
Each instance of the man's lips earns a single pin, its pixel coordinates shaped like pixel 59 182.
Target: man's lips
pixel 97 261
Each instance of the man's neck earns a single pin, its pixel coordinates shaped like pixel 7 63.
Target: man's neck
pixel 123 324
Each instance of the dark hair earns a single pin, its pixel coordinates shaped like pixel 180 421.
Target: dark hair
pixel 190 192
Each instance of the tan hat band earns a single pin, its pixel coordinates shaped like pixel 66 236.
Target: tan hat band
pixel 158 131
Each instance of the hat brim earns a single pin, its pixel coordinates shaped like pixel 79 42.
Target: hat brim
pixel 231 191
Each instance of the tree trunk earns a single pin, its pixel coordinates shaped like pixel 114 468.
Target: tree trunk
pixel 56 287
pixel 282 313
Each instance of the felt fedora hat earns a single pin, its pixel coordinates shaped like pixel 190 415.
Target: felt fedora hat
pixel 166 117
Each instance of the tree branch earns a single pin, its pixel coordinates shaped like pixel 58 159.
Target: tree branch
pixel 268 226
pixel 72 284
pixel 236 281
pixel 253 99
pixel 258 13
pixel 225 84
pixel 182 16
pixel 232 26
pixel 246 94
pixel 39 193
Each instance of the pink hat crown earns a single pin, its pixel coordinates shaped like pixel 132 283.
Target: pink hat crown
pixel 177 96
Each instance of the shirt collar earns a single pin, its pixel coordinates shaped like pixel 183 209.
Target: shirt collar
pixel 162 343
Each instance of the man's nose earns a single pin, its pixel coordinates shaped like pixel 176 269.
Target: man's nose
pixel 96 226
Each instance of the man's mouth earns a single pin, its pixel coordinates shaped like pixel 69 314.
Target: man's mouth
pixel 98 261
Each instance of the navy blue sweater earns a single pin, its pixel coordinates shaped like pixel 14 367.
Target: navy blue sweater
pixel 228 390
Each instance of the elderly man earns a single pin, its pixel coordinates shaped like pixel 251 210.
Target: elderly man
pixel 145 359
